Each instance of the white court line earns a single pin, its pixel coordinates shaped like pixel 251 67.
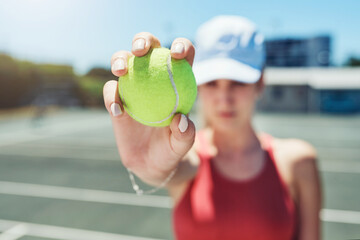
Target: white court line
pixel 53 130
pixel 342 167
pixel 14 232
pixel 87 195
pixel 353 168
pixel 64 233
pixel 340 216
pixel 72 144
pixel 63 155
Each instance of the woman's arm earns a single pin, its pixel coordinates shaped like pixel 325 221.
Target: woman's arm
pixel 187 170
pixel 308 186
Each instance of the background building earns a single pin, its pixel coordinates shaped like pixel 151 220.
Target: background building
pixel 325 90
pixel 299 52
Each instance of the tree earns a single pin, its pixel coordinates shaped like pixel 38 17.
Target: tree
pixel 353 62
pixel 101 73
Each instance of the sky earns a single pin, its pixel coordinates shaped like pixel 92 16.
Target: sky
pixel 85 33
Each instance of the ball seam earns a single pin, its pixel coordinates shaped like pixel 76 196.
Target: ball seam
pixel 171 77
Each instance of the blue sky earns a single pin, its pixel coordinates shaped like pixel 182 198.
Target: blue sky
pixel 85 33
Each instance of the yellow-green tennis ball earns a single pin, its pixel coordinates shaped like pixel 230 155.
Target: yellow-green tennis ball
pixel 157 87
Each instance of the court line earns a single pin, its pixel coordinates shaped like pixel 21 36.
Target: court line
pixel 75 144
pixel 99 196
pixel 65 233
pixel 353 168
pixel 62 155
pixel 340 216
pixel 14 232
pixel 85 195
pixel 53 130
pixel 350 167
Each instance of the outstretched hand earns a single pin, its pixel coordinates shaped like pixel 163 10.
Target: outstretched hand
pixel 150 152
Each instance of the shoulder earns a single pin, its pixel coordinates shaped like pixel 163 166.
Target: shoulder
pixel 296 161
pixel 298 153
pixel 290 153
pixel 295 150
pixel 300 158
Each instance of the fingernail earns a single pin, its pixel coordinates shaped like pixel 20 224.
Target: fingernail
pixel 119 64
pixel 183 124
pixel 115 109
pixel 178 48
pixel 139 44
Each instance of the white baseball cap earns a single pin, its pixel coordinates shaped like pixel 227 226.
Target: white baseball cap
pixel 228 47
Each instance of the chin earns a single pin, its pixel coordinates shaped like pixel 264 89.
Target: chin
pixel 226 125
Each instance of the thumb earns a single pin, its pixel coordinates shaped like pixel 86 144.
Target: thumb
pixel 182 134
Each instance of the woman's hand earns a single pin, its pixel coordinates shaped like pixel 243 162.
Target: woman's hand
pixel 150 152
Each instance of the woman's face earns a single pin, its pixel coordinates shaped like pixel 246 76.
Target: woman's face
pixel 228 104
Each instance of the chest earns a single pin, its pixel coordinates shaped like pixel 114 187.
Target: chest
pixel 251 169
pixel 222 209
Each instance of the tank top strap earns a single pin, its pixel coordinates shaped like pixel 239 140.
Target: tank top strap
pixel 267 144
pixel 202 148
pixel 203 208
pixel 267 141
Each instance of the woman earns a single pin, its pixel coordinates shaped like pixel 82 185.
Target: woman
pixel 226 180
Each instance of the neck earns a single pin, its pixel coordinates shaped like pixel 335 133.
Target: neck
pixel 241 141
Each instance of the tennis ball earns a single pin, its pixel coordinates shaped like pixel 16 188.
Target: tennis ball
pixel 157 87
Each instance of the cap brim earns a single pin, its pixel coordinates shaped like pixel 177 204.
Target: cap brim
pixel 224 68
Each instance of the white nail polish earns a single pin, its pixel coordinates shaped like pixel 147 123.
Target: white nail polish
pixel 115 109
pixel 139 44
pixel 178 48
pixel 183 124
pixel 119 64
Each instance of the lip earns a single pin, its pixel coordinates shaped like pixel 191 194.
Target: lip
pixel 227 114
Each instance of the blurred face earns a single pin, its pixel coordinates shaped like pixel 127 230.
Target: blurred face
pixel 228 105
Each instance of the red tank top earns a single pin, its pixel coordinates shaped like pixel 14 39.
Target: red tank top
pixel 217 207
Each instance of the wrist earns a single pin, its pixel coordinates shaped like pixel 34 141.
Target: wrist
pixel 159 181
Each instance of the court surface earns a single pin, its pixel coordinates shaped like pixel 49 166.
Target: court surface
pixel 61 177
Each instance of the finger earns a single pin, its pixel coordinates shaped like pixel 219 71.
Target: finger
pixel 143 42
pixel 112 100
pixel 182 134
pixel 119 62
pixel 183 48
